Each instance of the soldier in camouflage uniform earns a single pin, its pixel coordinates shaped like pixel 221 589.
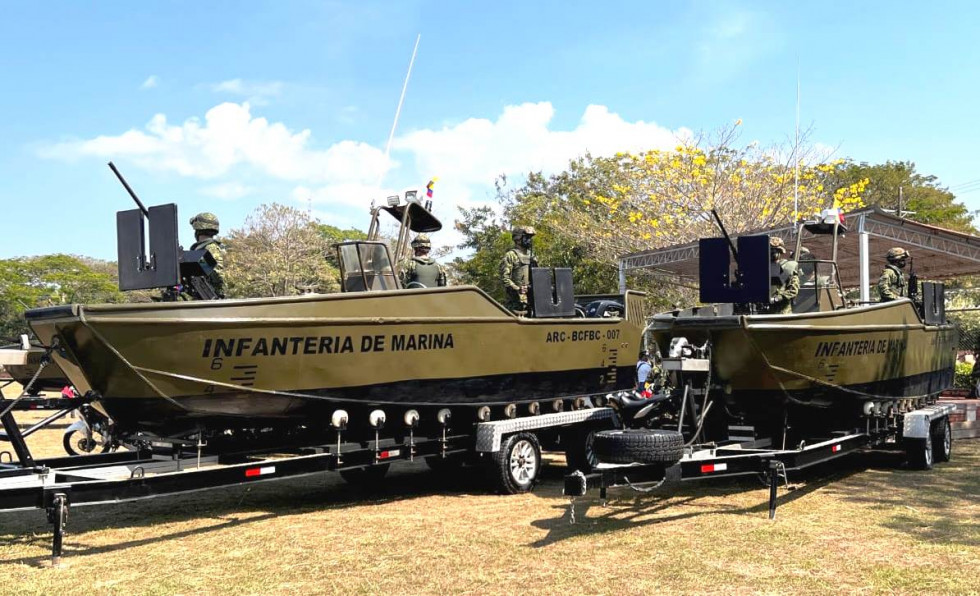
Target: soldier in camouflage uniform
pixel 784 279
pixel 515 269
pixel 422 270
pixel 892 284
pixel 205 231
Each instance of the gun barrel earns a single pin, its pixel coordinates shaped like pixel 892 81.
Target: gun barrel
pixel 725 232
pixel 125 184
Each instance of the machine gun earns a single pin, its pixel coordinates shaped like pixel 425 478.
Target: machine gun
pixel 182 274
pixel 913 280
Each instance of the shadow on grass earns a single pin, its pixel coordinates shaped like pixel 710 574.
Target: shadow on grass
pixel 234 506
pixel 927 499
pixel 928 504
pixel 927 494
pixel 623 512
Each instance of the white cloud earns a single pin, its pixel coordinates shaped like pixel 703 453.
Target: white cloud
pixel 231 137
pixel 227 190
pixel 521 140
pixel 231 142
pixel 150 82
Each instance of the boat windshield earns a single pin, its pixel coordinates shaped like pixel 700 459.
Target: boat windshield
pixel 366 267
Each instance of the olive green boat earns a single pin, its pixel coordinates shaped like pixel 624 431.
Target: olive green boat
pixel 835 360
pixel 171 368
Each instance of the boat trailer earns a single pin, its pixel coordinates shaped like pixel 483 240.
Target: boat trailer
pixel 157 467
pixel 924 434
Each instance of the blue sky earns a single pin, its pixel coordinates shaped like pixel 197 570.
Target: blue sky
pixel 222 106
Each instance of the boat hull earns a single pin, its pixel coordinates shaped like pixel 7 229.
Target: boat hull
pixel 230 363
pixel 837 359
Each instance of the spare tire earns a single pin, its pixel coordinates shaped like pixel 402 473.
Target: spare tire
pixel 644 446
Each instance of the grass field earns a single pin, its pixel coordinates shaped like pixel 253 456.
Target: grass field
pixel 866 525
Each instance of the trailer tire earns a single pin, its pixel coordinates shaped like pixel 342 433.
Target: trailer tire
pixel 919 452
pixel 942 440
pixel 517 465
pixel 85 445
pixel 367 476
pixel 580 449
pixel 642 446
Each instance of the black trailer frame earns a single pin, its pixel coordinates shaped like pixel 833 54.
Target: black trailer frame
pixel 167 467
pixel 753 458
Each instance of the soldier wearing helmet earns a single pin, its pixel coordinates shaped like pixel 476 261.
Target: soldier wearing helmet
pixel 422 271
pixel 206 228
pixel 515 269
pixel 784 279
pixel 892 284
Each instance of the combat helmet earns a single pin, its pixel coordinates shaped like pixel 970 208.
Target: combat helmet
pixel 896 254
pixel 520 231
pixel 205 221
pixel 421 241
pixel 776 243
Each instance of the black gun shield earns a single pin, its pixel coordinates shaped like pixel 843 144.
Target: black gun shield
pixel 552 292
pixel 159 269
pixel 753 268
pixel 713 271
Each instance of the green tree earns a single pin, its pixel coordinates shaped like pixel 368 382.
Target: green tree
pixel 923 195
pixel 279 251
pixel 32 282
pixel 332 235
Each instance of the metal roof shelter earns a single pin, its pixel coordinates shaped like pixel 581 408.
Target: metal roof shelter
pixel 938 253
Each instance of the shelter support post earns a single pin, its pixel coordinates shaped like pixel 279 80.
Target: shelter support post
pixel 622 276
pixel 864 262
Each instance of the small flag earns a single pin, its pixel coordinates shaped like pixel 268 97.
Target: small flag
pixel 428 187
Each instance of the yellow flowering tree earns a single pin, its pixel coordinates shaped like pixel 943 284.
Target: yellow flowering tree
pixel 658 198
pixel 601 208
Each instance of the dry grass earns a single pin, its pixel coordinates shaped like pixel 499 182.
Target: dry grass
pixel 869 526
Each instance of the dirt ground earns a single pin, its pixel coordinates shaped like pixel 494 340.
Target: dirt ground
pixel 865 525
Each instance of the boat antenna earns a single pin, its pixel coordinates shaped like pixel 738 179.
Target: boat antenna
pixel 796 149
pixel 398 110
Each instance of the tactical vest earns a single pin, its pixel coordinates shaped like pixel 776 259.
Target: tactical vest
pixel 522 274
pixel 215 277
pixel 425 272
pixel 779 274
pixel 900 286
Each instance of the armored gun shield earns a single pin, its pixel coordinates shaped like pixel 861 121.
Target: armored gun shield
pixel 158 267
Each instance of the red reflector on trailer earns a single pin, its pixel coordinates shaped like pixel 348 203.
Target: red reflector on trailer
pixel 252 472
pixel 389 453
pixel 835 448
pixel 708 468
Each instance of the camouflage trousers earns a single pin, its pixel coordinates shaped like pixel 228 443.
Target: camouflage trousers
pixel 516 305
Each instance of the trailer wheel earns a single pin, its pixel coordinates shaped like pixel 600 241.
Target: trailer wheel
pixel 642 446
pixel 919 452
pixel 76 443
pixel 942 440
pixel 517 464
pixel 580 451
pixel 366 477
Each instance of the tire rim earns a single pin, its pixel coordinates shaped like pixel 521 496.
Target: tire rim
pixel 947 440
pixel 590 455
pixel 928 451
pixel 523 462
